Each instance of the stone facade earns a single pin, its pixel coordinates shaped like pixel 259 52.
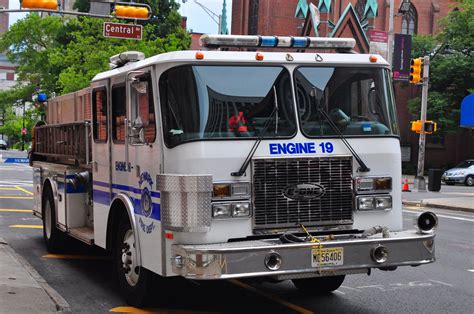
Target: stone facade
pixel 283 17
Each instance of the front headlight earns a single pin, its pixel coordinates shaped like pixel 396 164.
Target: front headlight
pixel 230 210
pixel 221 210
pixel 365 185
pixel 374 202
pixel 241 210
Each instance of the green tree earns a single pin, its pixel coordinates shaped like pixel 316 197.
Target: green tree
pixel 452 58
pixel 57 55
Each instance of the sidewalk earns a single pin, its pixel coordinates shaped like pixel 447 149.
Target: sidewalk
pixel 22 289
pixel 436 199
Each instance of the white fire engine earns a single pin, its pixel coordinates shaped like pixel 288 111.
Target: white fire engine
pixel 220 164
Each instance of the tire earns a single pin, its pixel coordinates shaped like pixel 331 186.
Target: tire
pixel 135 282
pixel 469 181
pixel 53 238
pixel 319 285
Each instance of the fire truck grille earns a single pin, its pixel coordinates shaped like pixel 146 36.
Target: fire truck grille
pixel 280 192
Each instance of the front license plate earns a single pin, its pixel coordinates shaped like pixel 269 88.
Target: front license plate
pixel 327 257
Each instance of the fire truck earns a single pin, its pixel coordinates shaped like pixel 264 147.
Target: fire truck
pixel 280 161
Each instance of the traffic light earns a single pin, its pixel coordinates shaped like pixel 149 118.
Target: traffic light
pixel 430 127
pixel 416 126
pixel 39 4
pixel 427 127
pixel 132 12
pixel 416 70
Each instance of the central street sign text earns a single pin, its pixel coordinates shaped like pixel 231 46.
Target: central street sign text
pixel 127 31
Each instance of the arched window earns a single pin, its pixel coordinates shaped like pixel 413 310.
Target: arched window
pixel 360 8
pixel 410 21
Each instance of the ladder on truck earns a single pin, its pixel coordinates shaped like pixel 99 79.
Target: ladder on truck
pixel 67 143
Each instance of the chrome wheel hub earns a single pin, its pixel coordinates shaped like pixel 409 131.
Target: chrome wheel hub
pixel 129 259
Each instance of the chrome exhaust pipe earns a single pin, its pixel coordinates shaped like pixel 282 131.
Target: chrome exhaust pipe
pixel 427 222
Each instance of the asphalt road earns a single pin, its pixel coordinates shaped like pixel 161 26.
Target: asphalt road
pixel 84 277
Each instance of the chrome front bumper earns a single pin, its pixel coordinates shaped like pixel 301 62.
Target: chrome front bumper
pixel 247 258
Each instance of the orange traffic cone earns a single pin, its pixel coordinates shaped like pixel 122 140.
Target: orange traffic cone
pixel 405 187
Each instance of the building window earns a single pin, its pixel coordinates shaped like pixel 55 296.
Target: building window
pixel 360 8
pixel 410 21
pixel 99 108
pixel 118 113
pixel 253 17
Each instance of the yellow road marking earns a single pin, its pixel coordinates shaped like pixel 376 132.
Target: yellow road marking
pixel 27 226
pixel 17 197
pixel 271 297
pixel 78 257
pixel 15 210
pixel 23 190
pixel 130 309
pixel 134 310
pixel 8 189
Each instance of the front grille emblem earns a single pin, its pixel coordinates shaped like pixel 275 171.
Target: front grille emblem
pixel 304 191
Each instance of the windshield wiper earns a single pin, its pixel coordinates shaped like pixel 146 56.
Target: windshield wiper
pixel 363 167
pixel 247 160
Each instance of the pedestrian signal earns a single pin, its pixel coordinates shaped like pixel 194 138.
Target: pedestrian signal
pixel 416 70
pixel 430 127
pixel 426 127
pixel 39 4
pixel 132 12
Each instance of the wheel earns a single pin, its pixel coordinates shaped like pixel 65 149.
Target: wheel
pixel 319 285
pixel 469 181
pixel 53 237
pixel 135 282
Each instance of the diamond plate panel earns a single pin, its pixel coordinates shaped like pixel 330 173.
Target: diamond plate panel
pixel 185 202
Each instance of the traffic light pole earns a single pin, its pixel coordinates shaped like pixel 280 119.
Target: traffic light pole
pixel 420 179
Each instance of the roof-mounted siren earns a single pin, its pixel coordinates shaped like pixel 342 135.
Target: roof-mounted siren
pixel 255 41
pixel 125 57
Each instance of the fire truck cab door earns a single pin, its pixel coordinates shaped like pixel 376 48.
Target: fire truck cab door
pixel 145 158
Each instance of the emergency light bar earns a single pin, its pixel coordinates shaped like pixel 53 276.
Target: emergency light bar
pixel 215 41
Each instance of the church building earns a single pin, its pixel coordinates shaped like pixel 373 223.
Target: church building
pixel 357 19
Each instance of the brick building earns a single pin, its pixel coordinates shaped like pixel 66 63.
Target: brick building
pixel 354 18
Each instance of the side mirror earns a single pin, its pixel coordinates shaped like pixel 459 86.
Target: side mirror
pixel 137 132
pixel 137 123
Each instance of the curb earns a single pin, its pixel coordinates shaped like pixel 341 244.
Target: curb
pixel 61 304
pixel 449 207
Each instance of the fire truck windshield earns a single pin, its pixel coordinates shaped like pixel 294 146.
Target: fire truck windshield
pixel 220 102
pixel 358 100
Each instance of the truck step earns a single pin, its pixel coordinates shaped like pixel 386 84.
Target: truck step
pixel 84 234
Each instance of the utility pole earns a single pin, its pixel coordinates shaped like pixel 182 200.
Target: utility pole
pixel 23 128
pixel 420 179
pixel 390 34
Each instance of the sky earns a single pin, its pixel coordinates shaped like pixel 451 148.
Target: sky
pixel 198 20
